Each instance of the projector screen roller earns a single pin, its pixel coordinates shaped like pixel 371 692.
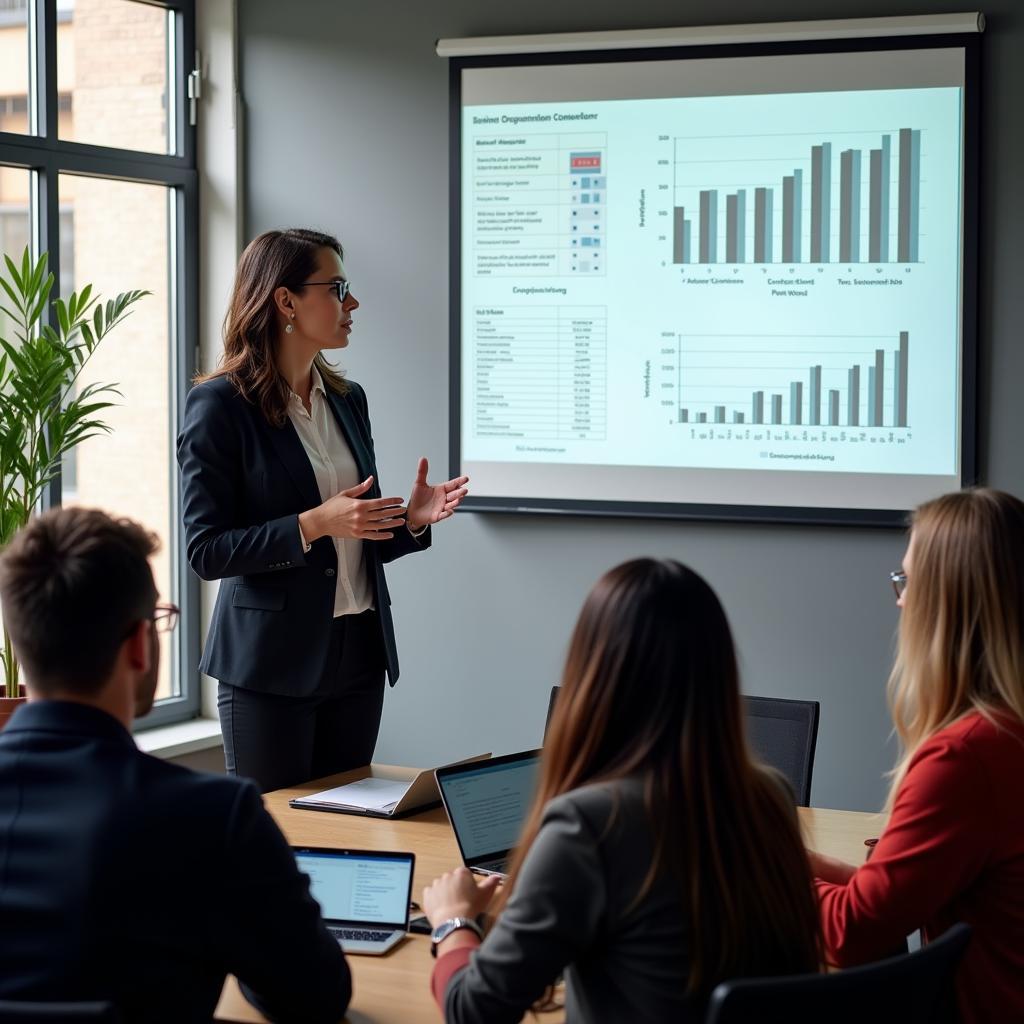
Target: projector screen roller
pixel 720 286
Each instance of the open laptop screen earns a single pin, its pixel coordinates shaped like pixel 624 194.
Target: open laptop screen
pixel 354 886
pixel 488 804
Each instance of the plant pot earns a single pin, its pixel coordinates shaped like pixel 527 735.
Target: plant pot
pixel 8 705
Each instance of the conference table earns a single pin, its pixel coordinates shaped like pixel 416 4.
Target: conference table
pixel 395 988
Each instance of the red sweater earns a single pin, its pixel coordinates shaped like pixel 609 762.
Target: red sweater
pixel 953 851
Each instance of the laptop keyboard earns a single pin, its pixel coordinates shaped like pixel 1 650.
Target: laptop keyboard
pixel 501 864
pixel 359 935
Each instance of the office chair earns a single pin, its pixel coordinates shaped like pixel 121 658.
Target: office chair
pixel 914 988
pixel 783 734
pixel 56 1013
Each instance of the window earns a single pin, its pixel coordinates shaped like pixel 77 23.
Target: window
pixel 97 168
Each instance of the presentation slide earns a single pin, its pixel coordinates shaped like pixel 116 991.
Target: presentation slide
pixel 362 889
pixel 730 281
pixel 488 806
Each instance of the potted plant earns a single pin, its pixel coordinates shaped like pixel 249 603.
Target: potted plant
pixel 43 411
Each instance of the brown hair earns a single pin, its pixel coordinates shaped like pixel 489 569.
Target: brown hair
pixel 272 260
pixel 961 634
pixel 73 582
pixel 651 689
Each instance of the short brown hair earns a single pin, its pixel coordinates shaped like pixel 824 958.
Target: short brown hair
pixel 72 584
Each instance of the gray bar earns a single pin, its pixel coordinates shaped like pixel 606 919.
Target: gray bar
pixel 757 407
pixel 702 417
pixel 709 226
pixel 902 360
pixel 769 224
pixel 719 413
pixel 684 415
pixel 678 235
pixel 879 385
pixel 853 401
pixel 788 220
pixel 776 408
pixel 833 408
pixel 759 205
pixel 741 226
pixel 815 395
pixel 738 417
pixel 849 206
pixel 798 214
pixel 875 207
pixel 909 187
pixel 886 171
pixel 731 230
pixel 821 199
pixel 796 402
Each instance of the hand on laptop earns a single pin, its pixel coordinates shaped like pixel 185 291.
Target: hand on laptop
pixel 458 893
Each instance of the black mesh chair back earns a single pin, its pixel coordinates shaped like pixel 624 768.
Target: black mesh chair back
pixel 56 1013
pixel 914 988
pixel 783 734
pixel 552 701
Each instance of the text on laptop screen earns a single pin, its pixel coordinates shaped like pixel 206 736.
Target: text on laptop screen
pixel 360 888
pixel 488 805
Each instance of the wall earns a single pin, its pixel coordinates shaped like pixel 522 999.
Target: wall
pixel 346 129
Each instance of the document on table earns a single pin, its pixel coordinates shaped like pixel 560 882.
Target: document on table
pixel 369 794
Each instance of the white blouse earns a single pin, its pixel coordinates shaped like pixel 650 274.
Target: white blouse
pixel 335 470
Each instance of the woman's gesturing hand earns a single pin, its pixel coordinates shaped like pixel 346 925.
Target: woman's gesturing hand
pixel 430 503
pixel 355 518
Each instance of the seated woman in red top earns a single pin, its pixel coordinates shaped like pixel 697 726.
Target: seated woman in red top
pixel 953 849
pixel 658 858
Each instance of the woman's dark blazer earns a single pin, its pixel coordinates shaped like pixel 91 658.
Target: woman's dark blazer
pixel 243 484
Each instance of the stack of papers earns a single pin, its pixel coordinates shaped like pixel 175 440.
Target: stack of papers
pixel 370 794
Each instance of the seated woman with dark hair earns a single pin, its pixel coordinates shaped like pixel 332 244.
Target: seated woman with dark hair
pixel 658 858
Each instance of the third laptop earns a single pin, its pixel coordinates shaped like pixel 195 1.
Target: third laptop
pixel 487 803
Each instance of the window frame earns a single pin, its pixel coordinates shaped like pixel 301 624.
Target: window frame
pixel 47 156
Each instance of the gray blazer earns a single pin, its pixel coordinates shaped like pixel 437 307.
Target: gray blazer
pixel 571 910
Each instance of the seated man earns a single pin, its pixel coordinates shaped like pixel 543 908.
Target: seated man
pixel 123 877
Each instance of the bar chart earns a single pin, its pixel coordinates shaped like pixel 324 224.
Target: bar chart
pixel 808 380
pixel 798 198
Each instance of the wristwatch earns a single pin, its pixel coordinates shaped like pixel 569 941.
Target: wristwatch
pixel 453 924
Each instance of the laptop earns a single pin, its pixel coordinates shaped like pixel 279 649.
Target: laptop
pixel 487 804
pixel 363 895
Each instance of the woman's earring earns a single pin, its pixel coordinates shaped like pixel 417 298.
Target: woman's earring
pixel 288 328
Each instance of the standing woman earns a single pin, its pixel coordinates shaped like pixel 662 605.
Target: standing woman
pixel 658 858
pixel 282 504
pixel 953 849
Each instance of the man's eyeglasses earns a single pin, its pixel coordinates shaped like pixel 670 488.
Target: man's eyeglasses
pixel 898 579
pixel 165 617
pixel 341 287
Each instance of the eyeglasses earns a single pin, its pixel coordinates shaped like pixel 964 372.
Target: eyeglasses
pixel 898 579
pixel 341 287
pixel 165 617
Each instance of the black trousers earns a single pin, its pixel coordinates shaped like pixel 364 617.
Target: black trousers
pixel 281 741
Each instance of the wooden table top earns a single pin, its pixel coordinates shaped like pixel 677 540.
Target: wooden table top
pixel 395 987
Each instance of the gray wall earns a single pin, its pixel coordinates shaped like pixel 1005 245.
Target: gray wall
pixel 347 129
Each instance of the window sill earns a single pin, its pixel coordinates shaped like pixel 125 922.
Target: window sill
pixel 182 738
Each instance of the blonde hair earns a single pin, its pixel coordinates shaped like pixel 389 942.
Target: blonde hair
pixel 961 635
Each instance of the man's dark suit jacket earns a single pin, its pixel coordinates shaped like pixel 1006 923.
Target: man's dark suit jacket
pixel 244 483
pixel 126 878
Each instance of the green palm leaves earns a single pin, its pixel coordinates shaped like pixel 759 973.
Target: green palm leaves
pixel 43 411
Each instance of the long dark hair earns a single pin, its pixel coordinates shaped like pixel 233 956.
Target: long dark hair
pixel 651 689
pixel 272 260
